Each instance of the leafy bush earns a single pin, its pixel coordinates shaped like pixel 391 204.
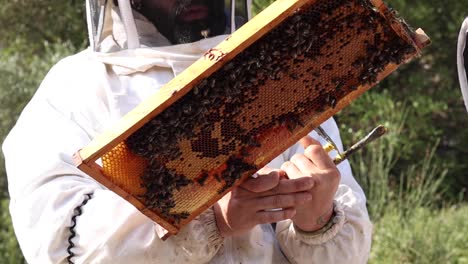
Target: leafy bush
pixel 419 186
pixel 27 25
pixel 430 87
pixel 403 202
pixel 9 249
pixel 378 167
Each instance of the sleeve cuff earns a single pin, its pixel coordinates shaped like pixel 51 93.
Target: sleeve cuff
pixel 326 233
pixel 208 220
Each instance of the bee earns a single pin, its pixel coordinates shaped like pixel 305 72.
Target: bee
pixel 252 142
pixel 217 177
pixel 294 76
pixel 202 178
pixel 328 67
pixel 244 152
pixel 333 102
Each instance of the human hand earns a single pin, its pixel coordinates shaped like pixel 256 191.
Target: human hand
pixel 244 207
pixel 317 165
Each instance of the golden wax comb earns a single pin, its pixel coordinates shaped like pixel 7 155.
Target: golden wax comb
pixel 246 101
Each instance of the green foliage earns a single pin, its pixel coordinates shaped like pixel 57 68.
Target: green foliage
pixel 27 25
pixel 420 185
pixel 259 5
pixel 35 35
pixel 411 134
pixel 9 249
pixel 423 236
pixel 20 77
pixel 403 202
pixel 430 88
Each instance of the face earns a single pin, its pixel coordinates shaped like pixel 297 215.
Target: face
pixel 184 21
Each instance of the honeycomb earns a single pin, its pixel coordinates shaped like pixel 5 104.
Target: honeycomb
pixel 256 105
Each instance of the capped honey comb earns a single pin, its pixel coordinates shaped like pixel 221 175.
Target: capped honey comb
pixel 246 101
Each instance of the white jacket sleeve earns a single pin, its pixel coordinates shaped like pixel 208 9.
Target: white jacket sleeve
pixel 46 187
pixel 348 240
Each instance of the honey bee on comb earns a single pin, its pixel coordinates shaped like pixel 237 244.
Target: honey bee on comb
pixel 249 99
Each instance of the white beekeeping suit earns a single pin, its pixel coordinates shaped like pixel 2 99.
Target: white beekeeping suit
pixel 85 94
pixel 462 61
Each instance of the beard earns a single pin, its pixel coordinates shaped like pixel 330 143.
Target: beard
pixel 172 25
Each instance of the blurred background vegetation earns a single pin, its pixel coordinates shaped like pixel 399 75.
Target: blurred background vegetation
pixel 414 178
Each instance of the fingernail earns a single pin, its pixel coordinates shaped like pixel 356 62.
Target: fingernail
pixel 283 174
pixel 275 173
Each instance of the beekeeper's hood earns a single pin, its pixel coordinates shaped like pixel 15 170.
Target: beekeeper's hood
pixel 462 61
pixel 125 39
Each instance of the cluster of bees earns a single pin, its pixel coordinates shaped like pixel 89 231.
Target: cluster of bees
pixel 159 183
pixel 290 52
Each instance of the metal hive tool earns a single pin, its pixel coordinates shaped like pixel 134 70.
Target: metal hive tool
pixel 246 101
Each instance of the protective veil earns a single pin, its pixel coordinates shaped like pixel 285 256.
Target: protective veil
pixel 87 93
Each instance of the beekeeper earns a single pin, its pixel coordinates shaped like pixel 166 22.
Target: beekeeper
pixel 60 214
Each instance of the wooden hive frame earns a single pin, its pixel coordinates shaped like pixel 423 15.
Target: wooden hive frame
pixel 213 60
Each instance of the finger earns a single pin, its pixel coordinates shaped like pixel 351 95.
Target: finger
pixel 263 217
pixel 262 183
pixel 280 201
pixel 319 157
pixel 263 171
pixel 314 151
pixel 290 186
pixel 283 175
pixel 303 164
pixel 291 170
pixel 307 141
